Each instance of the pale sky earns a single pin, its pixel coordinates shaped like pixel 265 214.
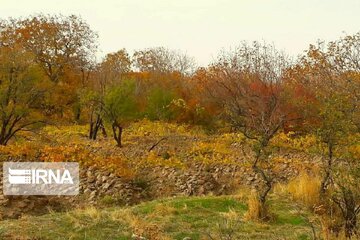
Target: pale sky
pixel 201 28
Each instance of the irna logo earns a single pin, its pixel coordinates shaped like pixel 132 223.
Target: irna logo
pixel 39 176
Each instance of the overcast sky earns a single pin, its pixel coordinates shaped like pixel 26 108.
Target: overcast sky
pixel 201 28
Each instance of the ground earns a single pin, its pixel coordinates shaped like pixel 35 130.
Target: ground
pixel 208 217
pixel 186 153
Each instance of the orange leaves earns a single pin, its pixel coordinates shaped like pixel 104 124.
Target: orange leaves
pixel 153 159
pixel 119 165
pixel 77 153
pixel 20 150
pixel 64 154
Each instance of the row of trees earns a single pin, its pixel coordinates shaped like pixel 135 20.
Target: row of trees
pixel 49 75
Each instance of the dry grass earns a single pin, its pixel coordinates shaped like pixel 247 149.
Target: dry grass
pixel 163 210
pixel 175 218
pixel 256 210
pixel 77 216
pixel 142 228
pixel 303 189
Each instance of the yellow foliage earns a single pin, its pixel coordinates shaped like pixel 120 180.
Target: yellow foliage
pixel 19 150
pixel 307 143
pixel 353 149
pixel 64 153
pixel 157 128
pixel 212 152
pixel 117 164
pixel 71 130
pixel 154 159
pixel 230 138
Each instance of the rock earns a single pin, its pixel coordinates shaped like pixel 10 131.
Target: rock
pixel 251 178
pixel 91 179
pixel 89 173
pixel 201 190
pixel 104 178
pixel 98 182
pixel 92 195
pixel 22 204
pixel 107 185
pixel 137 237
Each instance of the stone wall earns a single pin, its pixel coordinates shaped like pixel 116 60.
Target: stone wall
pixel 101 186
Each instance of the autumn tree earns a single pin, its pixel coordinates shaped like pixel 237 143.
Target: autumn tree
pixel 248 85
pixel 58 42
pixel 120 107
pixel 330 73
pixel 64 47
pixel 114 68
pixel 92 101
pixel 21 92
pixel 110 73
pixel 163 76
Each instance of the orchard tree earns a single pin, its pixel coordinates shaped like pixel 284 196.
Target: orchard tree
pixel 120 107
pixel 108 74
pixel 64 47
pixel 93 102
pixel 58 42
pixel 21 92
pixel 248 85
pixel 330 73
pixel 346 194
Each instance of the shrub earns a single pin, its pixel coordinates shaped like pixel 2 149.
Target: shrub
pixel 159 104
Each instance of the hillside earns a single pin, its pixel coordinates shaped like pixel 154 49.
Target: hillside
pixel 204 181
pixel 183 161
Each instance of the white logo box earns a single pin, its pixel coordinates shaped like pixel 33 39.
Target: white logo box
pixel 41 178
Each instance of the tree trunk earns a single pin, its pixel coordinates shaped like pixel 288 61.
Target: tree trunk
pixel 349 209
pixel 349 213
pixel 3 142
pixel 263 193
pixel 350 225
pixel 8 129
pixel 328 171
pixel 103 129
pixel 117 132
pixel 77 113
pixel 95 126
